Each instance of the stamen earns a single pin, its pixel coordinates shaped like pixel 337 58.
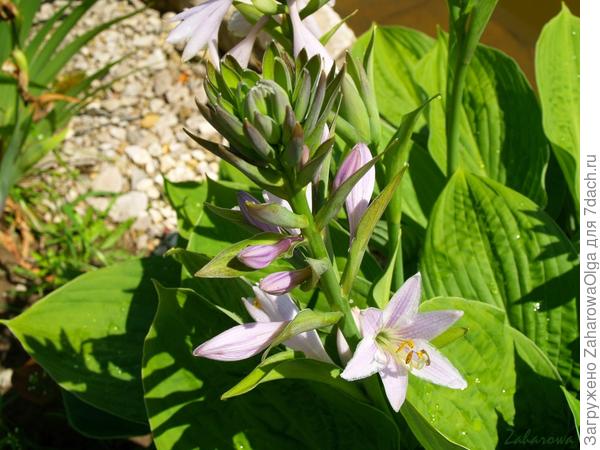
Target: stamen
pixel 256 303
pixel 408 343
pixel 424 355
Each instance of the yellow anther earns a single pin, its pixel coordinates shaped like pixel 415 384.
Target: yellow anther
pixel 256 303
pixel 422 354
pixel 409 356
pixel 408 343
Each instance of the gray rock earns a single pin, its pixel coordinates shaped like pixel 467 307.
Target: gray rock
pixel 130 205
pixel 109 179
pixel 138 155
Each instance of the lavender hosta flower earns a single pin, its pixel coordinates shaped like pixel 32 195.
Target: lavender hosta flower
pixel 199 27
pixel 359 197
pixel 396 342
pixel 260 256
pixel 305 39
pixel 243 198
pixel 243 50
pixel 272 314
pixel 282 282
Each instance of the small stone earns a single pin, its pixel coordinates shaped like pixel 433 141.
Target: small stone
pixel 108 180
pixel 144 184
pixel 130 205
pixel 138 155
pixel 149 120
pixel 181 173
pixel 162 82
pixel 118 133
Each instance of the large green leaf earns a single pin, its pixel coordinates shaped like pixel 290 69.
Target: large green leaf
pixel 500 124
pixel 88 335
pixel 557 76
pixel 489 243
pixel 186 412
pixel 484 356
pixel 99 424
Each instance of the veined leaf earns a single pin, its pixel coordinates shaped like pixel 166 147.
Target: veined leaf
pixel 557 76
pixel 489 243
pixel 88 334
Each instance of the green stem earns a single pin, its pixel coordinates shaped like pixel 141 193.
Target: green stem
pixel 329 281
pixel 395 240
pixel 455 89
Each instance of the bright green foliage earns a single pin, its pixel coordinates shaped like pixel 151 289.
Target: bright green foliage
pixel 88 334
pixel 487 242
pixel 557 75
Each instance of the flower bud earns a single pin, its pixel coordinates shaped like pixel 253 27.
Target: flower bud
pixel 279 283
pixel 359 197
pixel 260 256
pixel 243 198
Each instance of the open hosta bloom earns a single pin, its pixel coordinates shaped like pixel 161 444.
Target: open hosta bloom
pixel 396 342
pixel 272 314
pixel 199 27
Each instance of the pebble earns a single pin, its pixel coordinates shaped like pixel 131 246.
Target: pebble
pixel 138 155
pixel 133 204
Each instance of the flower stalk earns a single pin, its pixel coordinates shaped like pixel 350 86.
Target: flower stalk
pixel 329 281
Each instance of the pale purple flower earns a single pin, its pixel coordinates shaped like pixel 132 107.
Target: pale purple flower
pixel 359 197
pixel 243 198
pixel 279 283
pixel 272 314
pixel 260 256
pixel 305 39
pixel 199 27
pixel 396 342
pixel 243 50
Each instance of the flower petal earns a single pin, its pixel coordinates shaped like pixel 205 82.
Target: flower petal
pixel 364 363
pixel 395 382
pixel 309 344
pixel 370 321
pixel 430 324
pixel 440 370
pixel 344 351
pixel 304 39
pixel 240 342
pixel 243 50
pixel 277 308
pixel 403 306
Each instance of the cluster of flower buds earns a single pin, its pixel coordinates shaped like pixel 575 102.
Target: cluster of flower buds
pixel 277 122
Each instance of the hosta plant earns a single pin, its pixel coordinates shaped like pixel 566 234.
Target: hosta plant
pixel 386 261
